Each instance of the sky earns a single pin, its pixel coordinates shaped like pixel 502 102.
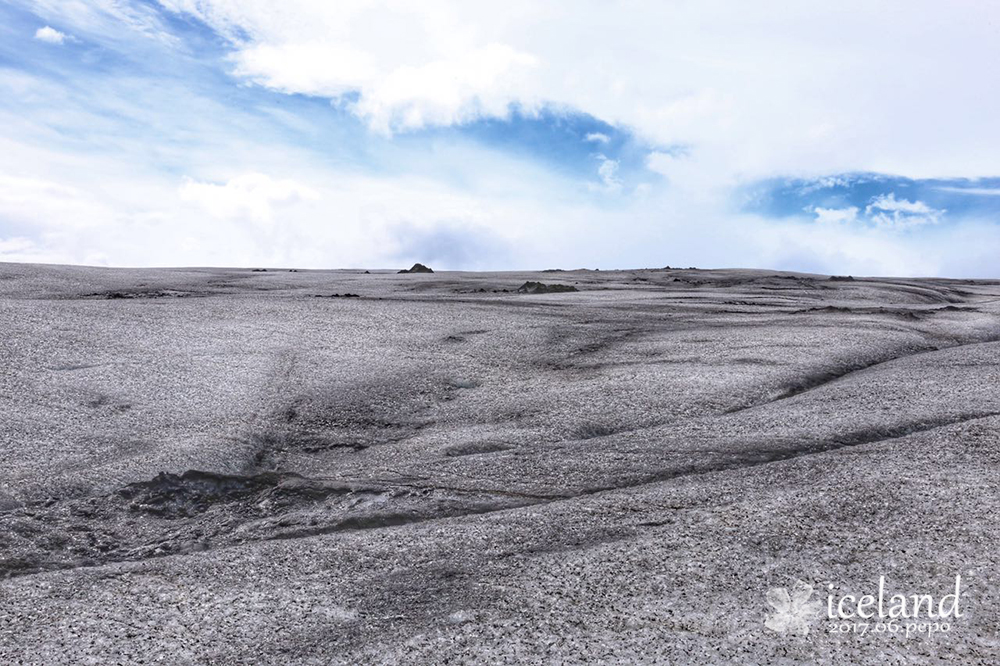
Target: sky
pixel 839 137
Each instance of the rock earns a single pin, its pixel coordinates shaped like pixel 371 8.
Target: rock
pixel 540 288
pixel 417 268
pixel 841 278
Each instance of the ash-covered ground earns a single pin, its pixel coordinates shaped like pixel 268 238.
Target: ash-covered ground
pixel 239 466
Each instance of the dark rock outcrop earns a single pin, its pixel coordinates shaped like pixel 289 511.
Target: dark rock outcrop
pixel 540 288
pixel 417 268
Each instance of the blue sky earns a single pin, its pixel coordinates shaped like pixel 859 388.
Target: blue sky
pixel 205 132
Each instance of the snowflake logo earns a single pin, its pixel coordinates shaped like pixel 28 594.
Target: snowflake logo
pixel 793 611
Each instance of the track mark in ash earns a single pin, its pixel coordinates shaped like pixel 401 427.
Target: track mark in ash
pixel 197 510
pixel 819 379
pixel 735 459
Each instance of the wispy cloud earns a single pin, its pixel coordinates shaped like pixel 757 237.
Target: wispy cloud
pixel 884 211
pixel 611 182
pixel 887 211
pixel 972 191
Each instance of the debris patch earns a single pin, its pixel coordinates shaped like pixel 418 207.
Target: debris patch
pixel 530 287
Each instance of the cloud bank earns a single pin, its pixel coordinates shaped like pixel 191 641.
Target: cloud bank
pixel 848 138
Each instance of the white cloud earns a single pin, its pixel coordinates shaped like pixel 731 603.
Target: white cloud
pixel 836 215
pixel 884 212
pixel 450 90
pixel 785 88
pixel 889 202
pixel 252 197
pixel 411 65
pixel 45 204
pixel 887 211
pixel 597 137
pixel 665 164
pixel 50 35
pixel 611 182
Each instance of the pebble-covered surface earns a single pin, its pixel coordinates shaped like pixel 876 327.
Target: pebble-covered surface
pixel 274 466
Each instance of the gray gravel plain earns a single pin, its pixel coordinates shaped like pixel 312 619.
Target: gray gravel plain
pixel 276 466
